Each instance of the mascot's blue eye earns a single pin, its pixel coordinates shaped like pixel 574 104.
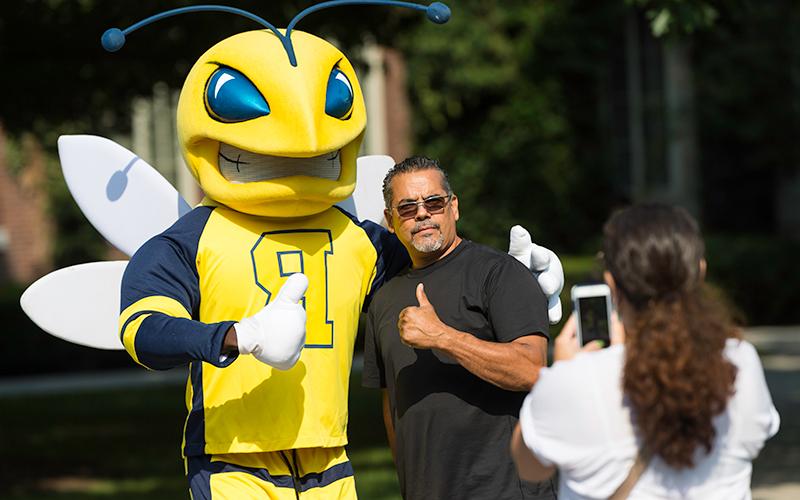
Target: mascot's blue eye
pixel 339 97
pixel 231 97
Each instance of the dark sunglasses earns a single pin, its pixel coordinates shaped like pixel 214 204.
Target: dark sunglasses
pixel 433 205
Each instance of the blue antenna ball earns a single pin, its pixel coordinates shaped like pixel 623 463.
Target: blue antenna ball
pixel 113 39
pixel 438 12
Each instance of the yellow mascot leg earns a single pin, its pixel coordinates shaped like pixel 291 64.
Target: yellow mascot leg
pixel 305 474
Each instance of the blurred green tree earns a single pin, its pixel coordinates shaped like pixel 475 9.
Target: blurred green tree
pixel 748 80
pixel 511 97
pixel 678 17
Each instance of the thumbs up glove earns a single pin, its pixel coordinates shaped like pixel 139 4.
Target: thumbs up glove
pixel 276 334
pixel 544 264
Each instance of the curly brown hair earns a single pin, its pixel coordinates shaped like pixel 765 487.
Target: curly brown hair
pixel 676 378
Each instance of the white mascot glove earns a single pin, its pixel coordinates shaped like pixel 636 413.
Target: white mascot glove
pixel 276 334
pixel 544 264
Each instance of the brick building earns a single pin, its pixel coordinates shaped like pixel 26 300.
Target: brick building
pixel 26 231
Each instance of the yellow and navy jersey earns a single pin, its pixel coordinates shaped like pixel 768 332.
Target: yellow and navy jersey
pixel 186 287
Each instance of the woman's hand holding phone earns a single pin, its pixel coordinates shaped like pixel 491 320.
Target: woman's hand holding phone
pixel 566 344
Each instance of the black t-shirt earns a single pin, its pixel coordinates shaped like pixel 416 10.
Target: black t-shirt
pixel 452 428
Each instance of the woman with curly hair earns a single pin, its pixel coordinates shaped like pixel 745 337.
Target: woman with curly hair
pixel 677 407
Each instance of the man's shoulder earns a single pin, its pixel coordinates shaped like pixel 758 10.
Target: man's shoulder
pixel 502 275
pixel 492 259
pixel 481 251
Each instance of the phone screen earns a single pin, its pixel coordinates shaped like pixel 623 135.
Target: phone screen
pixel 594 319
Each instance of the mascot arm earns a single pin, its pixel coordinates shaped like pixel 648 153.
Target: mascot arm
pixel 160 297
pixel 544 264
pixel 276 334
pixel 392 257
pixel 160 341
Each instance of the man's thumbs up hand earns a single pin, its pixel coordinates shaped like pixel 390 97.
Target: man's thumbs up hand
pixel 422 299
pixel 275 335
pixel 420 326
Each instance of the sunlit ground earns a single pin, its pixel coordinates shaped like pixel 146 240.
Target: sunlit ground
pixel 126 444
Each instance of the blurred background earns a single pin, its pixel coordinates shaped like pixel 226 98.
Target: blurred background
pixel 545 113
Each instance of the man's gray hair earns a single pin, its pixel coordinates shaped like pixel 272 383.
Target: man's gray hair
pixel 412 164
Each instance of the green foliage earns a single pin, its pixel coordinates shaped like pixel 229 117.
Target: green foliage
pixel 758 275
pixel 506 97
pixel 15 157
pixel 677 17
pixel 53 49
pixel 747 83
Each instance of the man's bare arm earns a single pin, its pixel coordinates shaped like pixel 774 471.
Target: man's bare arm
pixel 512 366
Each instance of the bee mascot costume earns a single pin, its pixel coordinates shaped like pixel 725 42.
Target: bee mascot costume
pixel 259 288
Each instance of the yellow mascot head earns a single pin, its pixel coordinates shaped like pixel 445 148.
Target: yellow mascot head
pixel 265 137
pixel 270 122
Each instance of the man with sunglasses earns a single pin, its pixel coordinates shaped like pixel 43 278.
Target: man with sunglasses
pixel 455 341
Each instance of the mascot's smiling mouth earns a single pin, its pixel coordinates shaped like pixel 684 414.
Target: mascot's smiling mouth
pixel 239 166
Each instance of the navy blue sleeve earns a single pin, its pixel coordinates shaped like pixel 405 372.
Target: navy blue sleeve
pixel 392 256
pixel 162 284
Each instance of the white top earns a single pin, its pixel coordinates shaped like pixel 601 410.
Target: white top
pixel 575 418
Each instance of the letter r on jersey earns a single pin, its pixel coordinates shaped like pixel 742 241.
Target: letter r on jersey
pixel 278 254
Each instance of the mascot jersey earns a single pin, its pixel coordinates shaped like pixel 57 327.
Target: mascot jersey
pixel 185 287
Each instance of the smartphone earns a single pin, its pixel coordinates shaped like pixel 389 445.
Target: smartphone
pixel 592 306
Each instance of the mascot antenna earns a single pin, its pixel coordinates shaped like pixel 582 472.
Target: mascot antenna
pixel 114 38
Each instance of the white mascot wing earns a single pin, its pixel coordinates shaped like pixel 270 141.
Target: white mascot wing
pixel 367 200
pixel 123 197
pixel 78 303
pixel 129 202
